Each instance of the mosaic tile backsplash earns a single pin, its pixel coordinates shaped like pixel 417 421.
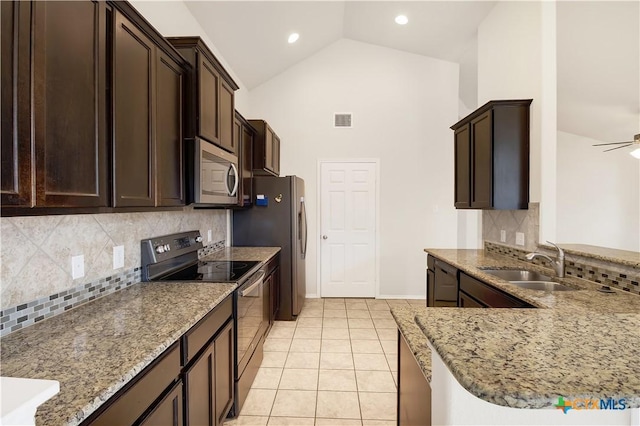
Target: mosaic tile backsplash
pixel 36 251
pixel 17 317
pixel 622 277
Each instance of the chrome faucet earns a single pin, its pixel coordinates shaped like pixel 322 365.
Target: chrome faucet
pixel 557 263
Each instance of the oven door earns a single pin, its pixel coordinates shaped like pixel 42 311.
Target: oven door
pixel 215 175
pixel 250 317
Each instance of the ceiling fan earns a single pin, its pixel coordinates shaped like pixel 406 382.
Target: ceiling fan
pixel 635 141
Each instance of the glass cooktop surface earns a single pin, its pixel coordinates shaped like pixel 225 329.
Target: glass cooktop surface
pixel 214 271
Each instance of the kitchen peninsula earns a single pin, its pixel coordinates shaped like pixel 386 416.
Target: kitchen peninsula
pixel 578 345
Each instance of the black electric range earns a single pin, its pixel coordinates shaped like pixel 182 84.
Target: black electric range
pixel 175 258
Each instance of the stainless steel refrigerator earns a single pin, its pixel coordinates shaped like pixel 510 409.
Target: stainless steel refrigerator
pixel 278 218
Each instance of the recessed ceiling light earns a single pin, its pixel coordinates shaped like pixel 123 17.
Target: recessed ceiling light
pixel 293 38
pixel 401 20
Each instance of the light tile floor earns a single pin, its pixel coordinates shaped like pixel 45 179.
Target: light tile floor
pixel 336 365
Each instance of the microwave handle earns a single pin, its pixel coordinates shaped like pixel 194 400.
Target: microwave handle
pixel 233 191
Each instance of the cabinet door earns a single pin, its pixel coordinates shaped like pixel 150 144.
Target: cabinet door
pixel 169 161
pixel 223 368
pixel 200 395
pixel 482 161
pixel 134 60
pixel 226 118
pixel 431 287
pixel 168 412
pixel 247 166
pixel 276 155
pixel 268 149
pixel 208 108
pixel 462 168
pixel 15 180
pixel 69 108
pixel 414 391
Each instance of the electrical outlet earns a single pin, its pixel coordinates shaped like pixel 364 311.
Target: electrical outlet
pixel 503 236
pixel 118 257
pixel 519 238
pixel 209 236
pixel 77 266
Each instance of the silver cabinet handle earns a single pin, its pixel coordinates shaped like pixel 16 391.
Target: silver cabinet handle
pixel 324 237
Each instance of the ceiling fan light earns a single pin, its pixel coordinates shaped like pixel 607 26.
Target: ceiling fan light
pixel 293 37
pixel 636 153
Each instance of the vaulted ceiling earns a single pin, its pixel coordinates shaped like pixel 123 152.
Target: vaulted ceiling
pixel 598 47
pixel 252 35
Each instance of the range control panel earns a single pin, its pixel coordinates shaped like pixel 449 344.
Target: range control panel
pixel 155 250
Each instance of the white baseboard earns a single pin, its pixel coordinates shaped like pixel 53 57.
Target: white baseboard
pixel 382 296
pixel 403 296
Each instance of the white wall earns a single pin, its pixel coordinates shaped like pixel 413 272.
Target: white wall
pixel 172 19
pixel 516 60
pixel 598 194
pixel 402 105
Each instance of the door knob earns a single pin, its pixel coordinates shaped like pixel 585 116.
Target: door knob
pixel 324 237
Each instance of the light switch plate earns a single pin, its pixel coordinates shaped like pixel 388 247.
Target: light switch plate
pixel 519 238
pixel 503 236
pixel 77 266
pixel 209 236
pixel 118 257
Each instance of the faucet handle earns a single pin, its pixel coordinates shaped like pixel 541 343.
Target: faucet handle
pixel 560 251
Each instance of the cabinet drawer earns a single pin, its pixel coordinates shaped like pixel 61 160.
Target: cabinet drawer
pixel 488 295
pixel 134 401
pixel 203 331
pixel 446 283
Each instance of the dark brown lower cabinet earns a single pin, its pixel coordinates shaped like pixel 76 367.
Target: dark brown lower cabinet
pixel 414 391
pixel 209 381
pixel 168 411
pixel 138 397
pixel 466 301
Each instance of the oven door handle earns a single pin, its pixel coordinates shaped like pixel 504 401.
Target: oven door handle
pixel 245 292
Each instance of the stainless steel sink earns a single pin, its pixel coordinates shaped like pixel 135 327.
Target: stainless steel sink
pixel 517 275
pixel 542 285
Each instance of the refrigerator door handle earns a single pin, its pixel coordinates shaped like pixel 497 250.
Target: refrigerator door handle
pixel 302 226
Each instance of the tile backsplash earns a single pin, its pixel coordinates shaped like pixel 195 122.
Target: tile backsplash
pixel 36 251
pixel 512 221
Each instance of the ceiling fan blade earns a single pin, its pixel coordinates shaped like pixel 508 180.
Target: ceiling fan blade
pixel 618 147
pixel 612 143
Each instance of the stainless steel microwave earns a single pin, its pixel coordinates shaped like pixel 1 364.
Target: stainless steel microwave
pixel 215 175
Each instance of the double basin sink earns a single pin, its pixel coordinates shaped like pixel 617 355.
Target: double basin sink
pixel 531 280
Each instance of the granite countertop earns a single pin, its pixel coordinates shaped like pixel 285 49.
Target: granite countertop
pixel 413 335
pixel 94 349
pixel 261 254
pixel 579 344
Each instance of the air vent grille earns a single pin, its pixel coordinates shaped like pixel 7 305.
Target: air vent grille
pixel 342 120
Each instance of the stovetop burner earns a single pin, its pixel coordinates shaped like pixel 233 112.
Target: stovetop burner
pixel 214 271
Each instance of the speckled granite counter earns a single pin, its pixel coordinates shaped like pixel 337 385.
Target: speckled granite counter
pixel 415 338
pixel 580 343
pixel 261 254
pixel 95 349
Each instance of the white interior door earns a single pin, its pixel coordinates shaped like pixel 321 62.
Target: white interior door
pixel 348 229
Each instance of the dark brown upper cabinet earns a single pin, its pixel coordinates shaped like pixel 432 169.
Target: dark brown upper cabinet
pixel 209 95
pixel 54 106
pixel 244 135
pixel 492 157
pixel 91 110
pixel 148 141
pixel 266 149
